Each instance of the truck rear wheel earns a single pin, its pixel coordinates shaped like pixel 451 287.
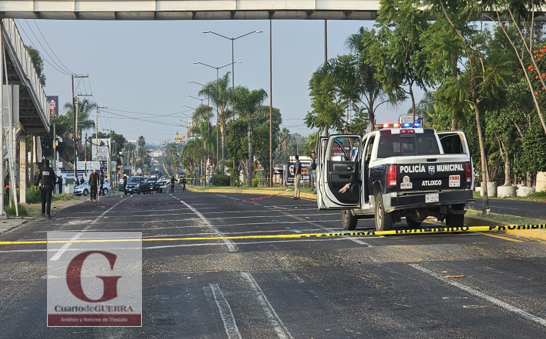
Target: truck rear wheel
pixel 412 223
pixel 455 220
pixel 383 220
pixel 348 220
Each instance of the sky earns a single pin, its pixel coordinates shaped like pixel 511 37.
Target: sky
pixel 141 69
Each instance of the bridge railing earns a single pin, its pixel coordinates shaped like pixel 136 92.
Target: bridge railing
pixel 31 79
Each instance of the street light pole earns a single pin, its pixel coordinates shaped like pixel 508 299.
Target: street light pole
pixel 233 51
pixel 270 103
pixel 217 113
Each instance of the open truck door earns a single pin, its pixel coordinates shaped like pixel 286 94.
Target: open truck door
pixel 454 142
pixel 339 172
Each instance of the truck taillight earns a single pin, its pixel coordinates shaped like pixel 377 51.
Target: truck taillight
pixel 468 173
pixel 391 176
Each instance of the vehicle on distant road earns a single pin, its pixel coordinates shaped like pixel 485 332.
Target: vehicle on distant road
pixel 399 170
pixel 137 184
pixel 153 183
pixel 84 189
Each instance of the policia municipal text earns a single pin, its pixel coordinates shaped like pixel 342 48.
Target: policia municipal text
pixel 48 179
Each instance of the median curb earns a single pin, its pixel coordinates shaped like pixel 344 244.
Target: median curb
pixel 287 194
pixel 476 221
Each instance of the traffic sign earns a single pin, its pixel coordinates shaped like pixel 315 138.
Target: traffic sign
pixel 256 164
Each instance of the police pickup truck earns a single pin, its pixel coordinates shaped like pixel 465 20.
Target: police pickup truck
pixel 395 172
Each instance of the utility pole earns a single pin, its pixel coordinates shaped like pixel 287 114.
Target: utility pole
pixel 97 131
pixel 85 158
pixel 270 103
pixel 75 110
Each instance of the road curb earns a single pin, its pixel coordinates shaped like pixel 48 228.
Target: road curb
pixel 287 194
pixel 476 221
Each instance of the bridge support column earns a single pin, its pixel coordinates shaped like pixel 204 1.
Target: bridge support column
pixel 23 169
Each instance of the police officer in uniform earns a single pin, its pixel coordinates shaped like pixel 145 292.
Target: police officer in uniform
pixel 48 179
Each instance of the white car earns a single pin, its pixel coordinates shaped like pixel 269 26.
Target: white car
pixel 84 189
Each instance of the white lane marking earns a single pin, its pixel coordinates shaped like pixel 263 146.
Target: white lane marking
pixel 196 245
pixel 358 241
pixel 63 249
pixel 225 196
pixel 269 223
pixel 230 244
pixel 226 313
pixel 492 300
pixel 273 317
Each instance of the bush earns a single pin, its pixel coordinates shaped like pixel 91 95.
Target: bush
pixel 220 180
pixel 33 197
pixel 11 210
pixel 255 180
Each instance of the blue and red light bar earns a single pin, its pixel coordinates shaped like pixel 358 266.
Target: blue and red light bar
pixel 397 125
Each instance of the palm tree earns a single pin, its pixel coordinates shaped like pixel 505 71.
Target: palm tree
pixel 141 141
pixel 247 103
pixel 368 89
pixel 220 93
pixel 84 107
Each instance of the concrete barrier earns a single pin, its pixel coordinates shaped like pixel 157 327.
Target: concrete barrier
pixel 491 189
pixel 541 182
pixel 525 191
pixel 506 191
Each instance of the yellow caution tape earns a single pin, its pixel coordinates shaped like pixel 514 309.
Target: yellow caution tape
pixel 363 233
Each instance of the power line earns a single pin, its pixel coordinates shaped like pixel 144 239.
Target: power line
pixel 43 56
pixel 51 48
pixel 142 119
pixel 154 115
pixel 45 50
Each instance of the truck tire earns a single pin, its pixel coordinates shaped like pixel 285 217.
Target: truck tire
pixel 455 220
pixel 348 220
pixel 383 220
pixel 412 223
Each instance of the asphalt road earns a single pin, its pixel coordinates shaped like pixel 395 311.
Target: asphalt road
pixel 528 209
pixel 384 287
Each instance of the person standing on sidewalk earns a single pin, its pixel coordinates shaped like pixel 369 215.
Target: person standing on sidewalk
pixel 314 170
pixel 47 177
pixel 297 178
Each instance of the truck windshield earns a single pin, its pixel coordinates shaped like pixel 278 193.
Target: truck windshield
pixel 396 145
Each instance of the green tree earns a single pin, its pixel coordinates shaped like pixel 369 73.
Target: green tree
pixel 247 103
pixel 38 62
pixel 327 110
pixel 454 35
pixel 220 93
pixel 396 50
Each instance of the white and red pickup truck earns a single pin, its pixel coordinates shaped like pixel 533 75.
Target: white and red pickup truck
pixel 396 172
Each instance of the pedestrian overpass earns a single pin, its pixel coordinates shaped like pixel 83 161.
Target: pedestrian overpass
pixel 190 9
pixel 23 106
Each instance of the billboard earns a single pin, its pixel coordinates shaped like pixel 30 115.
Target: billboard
pixel 305 170
pixel 179 138
pixel 53 101
pixel 103 149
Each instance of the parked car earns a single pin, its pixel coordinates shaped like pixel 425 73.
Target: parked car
pixel 137 184
pixel 84 189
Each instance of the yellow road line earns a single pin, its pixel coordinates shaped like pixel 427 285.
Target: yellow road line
pixel 502 237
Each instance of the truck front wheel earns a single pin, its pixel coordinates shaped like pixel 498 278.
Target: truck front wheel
pixel 348 220
pixel 383 220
